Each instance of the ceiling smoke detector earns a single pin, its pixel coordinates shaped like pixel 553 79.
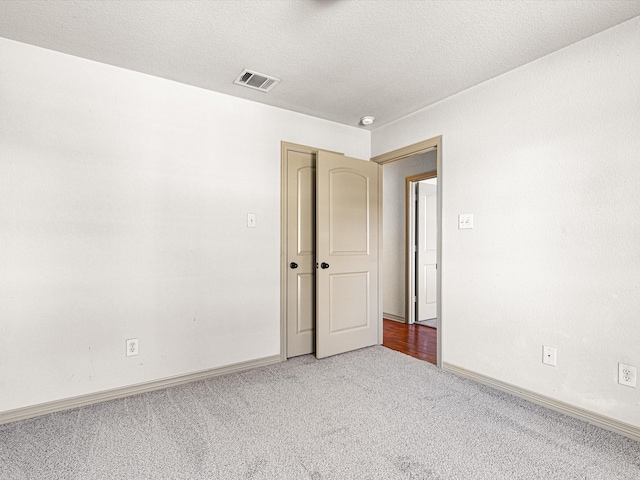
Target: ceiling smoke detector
pixel 255 80
pixel 367 120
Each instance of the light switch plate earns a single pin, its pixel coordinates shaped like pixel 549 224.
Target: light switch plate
pixel 465 220
pixel 251 220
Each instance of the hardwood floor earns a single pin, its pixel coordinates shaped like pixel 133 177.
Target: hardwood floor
pixel 418 341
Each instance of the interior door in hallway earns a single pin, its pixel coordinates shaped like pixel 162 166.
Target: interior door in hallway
pixel 347 254
pixel 301 185
pixel 427 248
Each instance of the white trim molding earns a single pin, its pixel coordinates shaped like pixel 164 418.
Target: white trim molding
pixel 113 394
pixel 395 318
pixel 596 419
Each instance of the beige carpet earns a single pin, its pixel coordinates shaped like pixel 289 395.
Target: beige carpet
pixel 370 414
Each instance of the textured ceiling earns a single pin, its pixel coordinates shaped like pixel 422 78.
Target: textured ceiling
pixel 337 59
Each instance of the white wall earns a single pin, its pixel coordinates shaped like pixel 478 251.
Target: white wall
pixel 123 202
pixel 393 239
pixel 546 158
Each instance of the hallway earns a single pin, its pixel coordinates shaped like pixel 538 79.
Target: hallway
pixel 418 341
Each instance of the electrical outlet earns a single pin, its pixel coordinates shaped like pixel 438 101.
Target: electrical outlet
pixel 132 347
pixel 549 355
pixel 465 220
pixel 627 375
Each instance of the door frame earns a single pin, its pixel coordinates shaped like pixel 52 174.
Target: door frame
pixel 409 252
pixel 424 146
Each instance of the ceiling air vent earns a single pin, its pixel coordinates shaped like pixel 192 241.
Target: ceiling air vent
pixel 256 80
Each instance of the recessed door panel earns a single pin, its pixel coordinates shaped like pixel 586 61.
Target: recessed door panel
pixel 430 281
pixel 306 214
pixel 347 315
pixel 305 313
pixel 349 202
pixel 431 230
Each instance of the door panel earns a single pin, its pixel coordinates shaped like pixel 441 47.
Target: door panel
pixel 346 315
pixel 348 206
pixel 301 238
pixel 347 216
pixel 306 311
pixel 426 290
pixel 305 203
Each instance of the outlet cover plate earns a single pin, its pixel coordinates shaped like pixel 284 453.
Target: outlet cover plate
pixel 132 347
pixel 465 220
pixel 627 375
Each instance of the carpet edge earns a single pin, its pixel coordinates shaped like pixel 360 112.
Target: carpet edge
pixel 602 421
pixel 46 408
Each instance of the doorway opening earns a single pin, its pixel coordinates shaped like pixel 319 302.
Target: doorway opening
pixel 303 288
pixel 408 166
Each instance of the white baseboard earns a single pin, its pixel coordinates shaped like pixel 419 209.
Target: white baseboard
pixel 607 423
pixel 103 396
pixel 395 318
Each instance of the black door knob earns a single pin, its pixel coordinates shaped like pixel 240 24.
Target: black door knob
pixel 324 265
pixel 293 265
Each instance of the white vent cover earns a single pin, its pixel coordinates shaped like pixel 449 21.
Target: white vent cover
pixel 255 80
